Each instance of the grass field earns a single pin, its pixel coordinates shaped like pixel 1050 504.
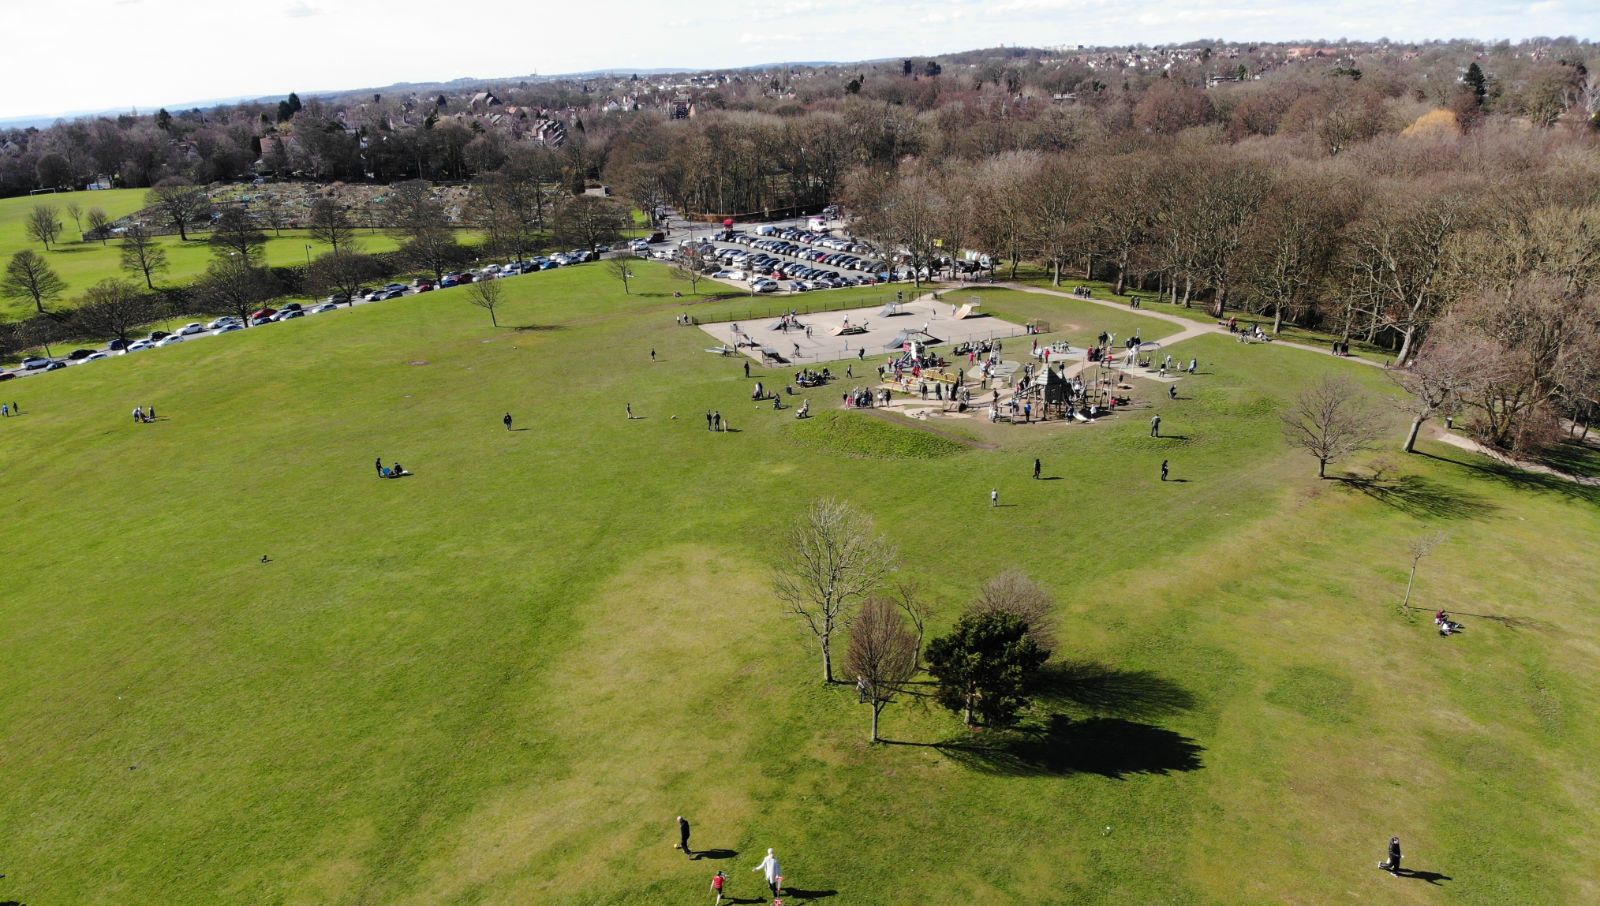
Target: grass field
pixel 499 680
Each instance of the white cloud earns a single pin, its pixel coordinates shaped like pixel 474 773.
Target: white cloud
pixel 301 10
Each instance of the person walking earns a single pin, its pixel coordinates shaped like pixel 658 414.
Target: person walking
pixel 378 464
pixel 652 353
pixel 994 497
pixel 630 412
pixel 716 420
pixel 1155 426
pixel 1172 392
pixel 138 414
pixel 719 885
pixel 708 421
pixel 507 421
pixel 683 835
pixel 1163 470
pixel 1393 865
pixel 1193 364
pixel 747 369
pixel 769 867
pixel 5 410
pixel 1036 467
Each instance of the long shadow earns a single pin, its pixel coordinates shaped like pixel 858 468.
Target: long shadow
pixel 524 328
pixel 798 893
pixel 1108 746
pixel 1110 692
pixel 1417 496
pixel 1573 457
pixel 1522 479
pixel 715 853
pixel 1432 877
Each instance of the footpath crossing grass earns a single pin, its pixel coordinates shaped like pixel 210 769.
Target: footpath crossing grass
pixel 499 680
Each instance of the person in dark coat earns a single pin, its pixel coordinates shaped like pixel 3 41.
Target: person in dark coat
pixel 1393 865
pixel 378 464
pixel 507 421
pixel 683 835
pixel 1036 468
pixel 1163 470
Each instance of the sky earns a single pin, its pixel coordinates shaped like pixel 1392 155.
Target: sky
pixel 93 55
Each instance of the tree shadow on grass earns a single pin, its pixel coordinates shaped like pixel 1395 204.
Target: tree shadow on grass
pixel 1107 746
pixel 1417 496
pixel 1110 692
pixel 1574 458
pixel 1522 479
pixel 527 328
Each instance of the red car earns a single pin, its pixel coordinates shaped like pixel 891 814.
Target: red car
pixel 263 313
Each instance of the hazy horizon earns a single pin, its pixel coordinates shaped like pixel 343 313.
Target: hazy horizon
pixel 190 51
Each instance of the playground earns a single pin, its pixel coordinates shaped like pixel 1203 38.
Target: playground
pixel 833 335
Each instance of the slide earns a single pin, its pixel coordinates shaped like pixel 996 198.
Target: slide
pixel 892 309
pixel 964 313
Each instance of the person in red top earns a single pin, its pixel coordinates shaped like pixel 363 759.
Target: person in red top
pixel 719 883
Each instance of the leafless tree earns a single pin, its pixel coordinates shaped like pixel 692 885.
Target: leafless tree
pixel 113 308
pixel 832 560
pixel 273 213
pixel 75 211
pixel 43 224
pixel 1395 262
pixel 689 267
pixel 235 233
pixel 330 223
pixel 29 277
pixel 340 273
pixel 883 654
pixel 1330 421
pixel 1419 547
pixel 99 224
pixel 1014 592
pixel 621 267
pixel 587 221
pixel 235 286
pixel 142 254
pixel 180 202
pixel 1440 377
pixel 486 294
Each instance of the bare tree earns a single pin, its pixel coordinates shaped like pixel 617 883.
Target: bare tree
pixel 28 276
pixel 236 286
pixel 689 267
pixel 142 253
pixel 586 221
pixel 621 267
pixel 99 224
pixel 883 654
pixel 235 233
pixel 833 559
pixel 75 211
pixel 1014 592
pixel 181 202
pixel 273 213
pixel 330 223
pixel 43 224
pixel 113 308
pixel 486 295
pixel 1439 378
pixel 1331 421
pixel 340 273
pixel 1419 548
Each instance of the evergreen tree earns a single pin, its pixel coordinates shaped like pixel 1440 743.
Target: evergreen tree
pixel 986 668
pixel 1475 80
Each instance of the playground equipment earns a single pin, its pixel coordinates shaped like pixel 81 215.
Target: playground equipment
pixel 847 329
pixel 891 309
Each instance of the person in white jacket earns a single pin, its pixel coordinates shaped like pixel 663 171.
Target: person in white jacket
pixel 769 865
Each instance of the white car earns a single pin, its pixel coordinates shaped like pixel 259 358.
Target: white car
pixel 326 306
pixel 139 345
pixel 222 322
pixel 729 275
pixel 764 286
pixel 173 340
pixel 188 330
pixel 96 356
pixel 227 328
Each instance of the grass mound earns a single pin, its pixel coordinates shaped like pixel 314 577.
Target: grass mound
pixel 863 436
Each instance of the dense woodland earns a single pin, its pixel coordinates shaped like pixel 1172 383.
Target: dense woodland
pixel 1440 201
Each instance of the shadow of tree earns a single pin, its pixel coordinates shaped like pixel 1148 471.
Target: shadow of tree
pixel 1417 496
pixel 525 328
pixel 1108 691
pixel 1522 479
pixel 1107 746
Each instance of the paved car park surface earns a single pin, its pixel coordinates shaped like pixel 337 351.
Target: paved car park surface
pixel 928 319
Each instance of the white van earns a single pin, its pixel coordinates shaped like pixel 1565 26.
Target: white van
pixel 766 230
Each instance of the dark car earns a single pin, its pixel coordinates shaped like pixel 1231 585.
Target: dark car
pixel 158 335
pixel 7 375
pixel 77 354
pixel 116 345
pixel 293 306
pixel 55 366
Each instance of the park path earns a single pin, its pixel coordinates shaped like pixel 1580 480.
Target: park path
pixel 1189 329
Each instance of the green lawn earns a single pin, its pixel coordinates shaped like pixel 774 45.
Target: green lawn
pixel 499 680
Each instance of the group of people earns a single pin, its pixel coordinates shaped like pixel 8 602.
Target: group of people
pixel 806 377
pixel 1446 625
pixel 771 869
pixel 9 409
pixel 142 415
pixel 394 471
pixel 1341 348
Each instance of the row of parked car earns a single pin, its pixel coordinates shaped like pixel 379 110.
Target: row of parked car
pixel 292 310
